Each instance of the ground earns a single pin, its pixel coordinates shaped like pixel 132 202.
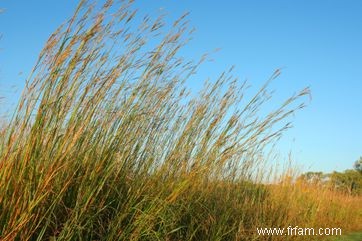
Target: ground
pixel 350 237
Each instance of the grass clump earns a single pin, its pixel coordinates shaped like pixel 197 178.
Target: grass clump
pixel 107 143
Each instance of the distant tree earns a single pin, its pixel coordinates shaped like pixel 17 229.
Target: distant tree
pixel 358 165
pixel 312 177
pixel 349 181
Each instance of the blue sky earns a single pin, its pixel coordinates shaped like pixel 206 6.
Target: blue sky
pixel 317 43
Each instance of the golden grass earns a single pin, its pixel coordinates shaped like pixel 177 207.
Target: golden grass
pixel 307 205
pixel 107 143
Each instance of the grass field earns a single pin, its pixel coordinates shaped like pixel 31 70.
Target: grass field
pixel 108 143
pixel 350 237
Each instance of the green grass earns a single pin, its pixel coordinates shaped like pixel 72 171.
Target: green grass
pixel 107 143
pixel 349 237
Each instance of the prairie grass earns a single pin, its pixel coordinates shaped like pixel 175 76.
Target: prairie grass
pixel 108 143
pixel 312 205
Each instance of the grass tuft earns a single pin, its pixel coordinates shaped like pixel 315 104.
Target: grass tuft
pixel 108 143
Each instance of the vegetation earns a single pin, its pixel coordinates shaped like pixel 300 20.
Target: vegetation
pixel 107 143
pixel 350 237
pixel 358 165
pixel 349 181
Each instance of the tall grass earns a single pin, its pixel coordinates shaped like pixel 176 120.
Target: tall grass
pixel 107 143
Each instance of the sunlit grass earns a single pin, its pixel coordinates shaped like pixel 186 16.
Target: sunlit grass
pixel 107 143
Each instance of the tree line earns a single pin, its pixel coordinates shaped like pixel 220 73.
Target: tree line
pixel 348 181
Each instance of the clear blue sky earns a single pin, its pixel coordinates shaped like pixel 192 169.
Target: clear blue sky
pixel 317 43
